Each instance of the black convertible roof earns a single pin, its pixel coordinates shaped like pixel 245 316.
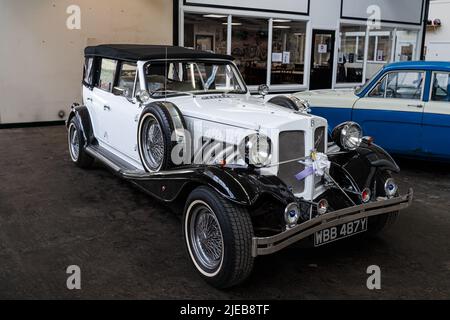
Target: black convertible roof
pixel 131 52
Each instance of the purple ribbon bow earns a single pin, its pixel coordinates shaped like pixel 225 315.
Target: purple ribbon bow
pixel 305 174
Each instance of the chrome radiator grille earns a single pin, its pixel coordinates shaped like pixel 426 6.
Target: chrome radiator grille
pixel 292 146
pixel 319 140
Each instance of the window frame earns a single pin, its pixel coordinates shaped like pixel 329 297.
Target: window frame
pixel 100 68
pixel 91 71
pixel 148 64
pixel 270 20
pixel 433 75
pixel 386 76
pixel 120 63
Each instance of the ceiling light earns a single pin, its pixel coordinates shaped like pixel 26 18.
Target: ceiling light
pixel 282 20
pixel 218 16
pixel 281 27
pixel 233 24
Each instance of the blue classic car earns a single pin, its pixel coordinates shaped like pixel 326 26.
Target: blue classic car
pixel 405 106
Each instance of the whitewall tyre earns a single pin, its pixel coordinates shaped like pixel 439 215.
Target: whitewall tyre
pixel 218 237
pixel 76 144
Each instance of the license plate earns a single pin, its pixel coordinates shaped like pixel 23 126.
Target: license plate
pixel 340 232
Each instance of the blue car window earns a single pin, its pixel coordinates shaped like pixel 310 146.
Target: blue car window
pixel 379 90
pixel 405 85
pixel 441 85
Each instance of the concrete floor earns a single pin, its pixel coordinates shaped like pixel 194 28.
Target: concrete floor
pixel 53 215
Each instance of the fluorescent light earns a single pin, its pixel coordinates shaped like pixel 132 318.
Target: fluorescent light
pixel 282 20
pixel 233 24
pixel 281 27
pixel 218 16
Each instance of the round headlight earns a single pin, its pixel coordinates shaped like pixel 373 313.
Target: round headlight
pixel 391 188
pixel 292 215
pixel 348 136
pixel 257 149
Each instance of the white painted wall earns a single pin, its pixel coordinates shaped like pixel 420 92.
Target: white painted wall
pixel 41 60
pixel 438 39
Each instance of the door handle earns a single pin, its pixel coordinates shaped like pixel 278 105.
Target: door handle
pixel 107 108
pixel 420 106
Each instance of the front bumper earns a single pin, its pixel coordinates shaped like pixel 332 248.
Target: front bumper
pixel 270 245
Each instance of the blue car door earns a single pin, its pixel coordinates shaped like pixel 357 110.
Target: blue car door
pixel 392 111
pixel 436 118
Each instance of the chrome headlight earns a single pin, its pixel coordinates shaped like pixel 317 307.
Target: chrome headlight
pixel 292 215
pixel 348 136
pixel 257 150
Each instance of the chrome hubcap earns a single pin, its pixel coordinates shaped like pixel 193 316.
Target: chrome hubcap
pixel 153 144
pixel 206 237
pixel 74 143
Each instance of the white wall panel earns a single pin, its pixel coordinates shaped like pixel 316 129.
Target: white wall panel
pixel 41 61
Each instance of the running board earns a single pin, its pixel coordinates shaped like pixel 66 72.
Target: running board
pixel 113 162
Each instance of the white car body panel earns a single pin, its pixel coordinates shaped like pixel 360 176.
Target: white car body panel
pixel 209 115
pixel 339 98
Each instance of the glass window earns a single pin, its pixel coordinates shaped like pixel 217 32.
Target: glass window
pixel 380 50
pixel 383 52
pixel 361 46
pixel 350 58
pixel 87 73
pixel 406 45
pixel 193 77
pixel 288 52
pixel 405 85
pixel 441 86
pixel 372 48
pixel 127 78
pixel 249 48
pixel 207 32
pixel 379 90
pixel 107 74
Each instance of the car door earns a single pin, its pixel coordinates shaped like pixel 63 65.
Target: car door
pixel 392 111
pixel 101 98
pixel 124 112
pixel 436 118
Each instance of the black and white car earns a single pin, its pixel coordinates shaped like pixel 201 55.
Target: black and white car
pixel 251 176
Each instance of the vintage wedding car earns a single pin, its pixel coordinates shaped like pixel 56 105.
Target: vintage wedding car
pixel 251 176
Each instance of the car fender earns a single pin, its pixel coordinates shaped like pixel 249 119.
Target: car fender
pixel 81 113
pixel 360 166
pixel 238 186
pixel 378 157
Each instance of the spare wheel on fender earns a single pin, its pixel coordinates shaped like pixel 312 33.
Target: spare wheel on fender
pixel 155 131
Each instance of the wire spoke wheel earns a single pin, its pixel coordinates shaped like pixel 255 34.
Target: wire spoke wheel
pixel 74 143
pixel 206 237
pixel 153 144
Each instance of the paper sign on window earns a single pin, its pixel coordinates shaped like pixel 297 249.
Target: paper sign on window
pixel 286 57
pixel 277 57
pixel 380 55
pixel 323 48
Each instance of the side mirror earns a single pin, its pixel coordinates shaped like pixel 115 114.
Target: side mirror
pixel 263 90
pixel 121 92
pixel 143 97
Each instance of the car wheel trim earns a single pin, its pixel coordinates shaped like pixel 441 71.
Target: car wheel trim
pixel 152 146
pixel 204 239
pixel 74 143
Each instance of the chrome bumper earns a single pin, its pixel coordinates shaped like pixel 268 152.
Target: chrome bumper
pixel 270 245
